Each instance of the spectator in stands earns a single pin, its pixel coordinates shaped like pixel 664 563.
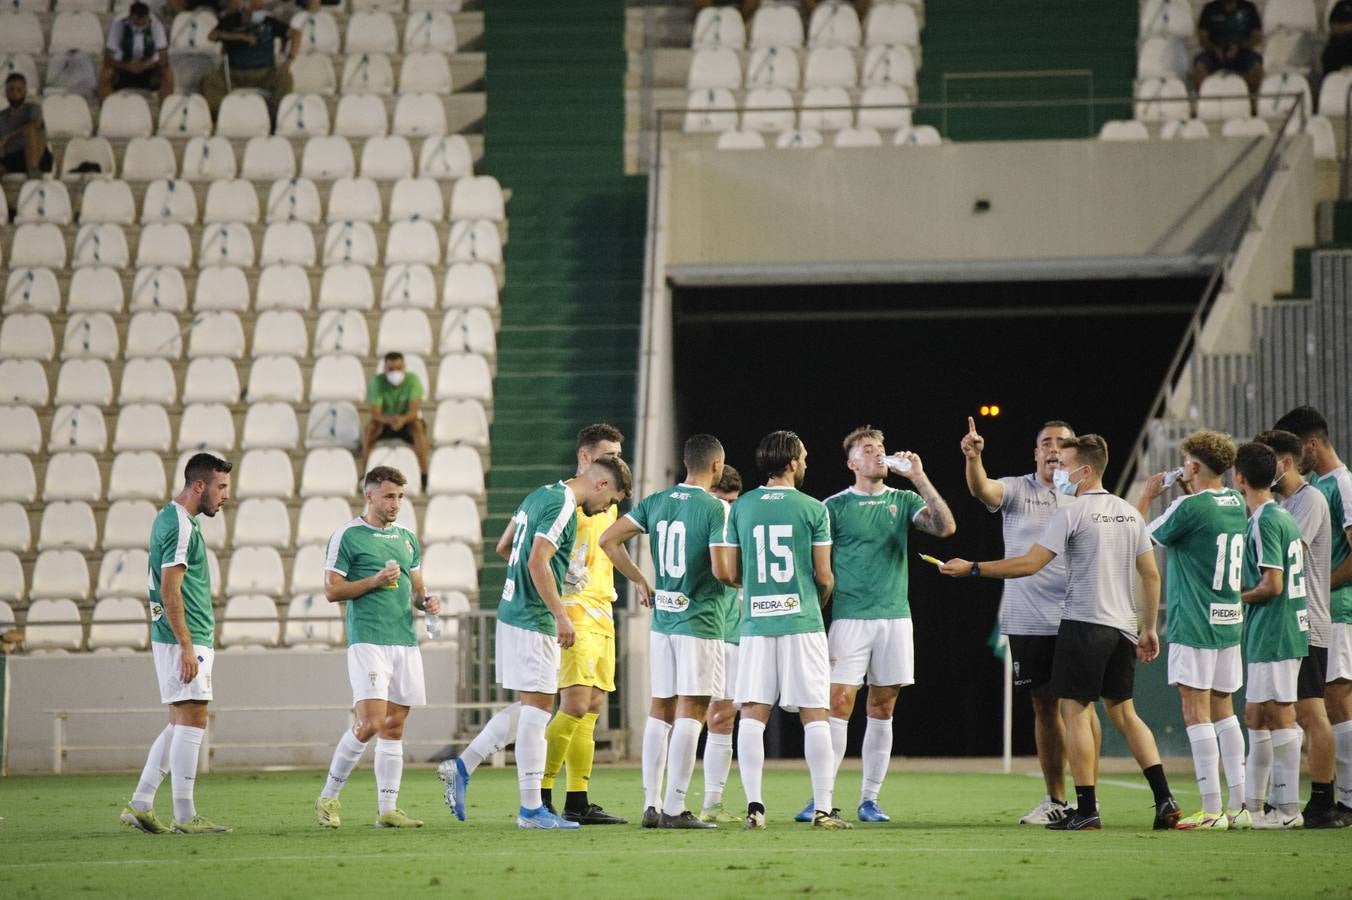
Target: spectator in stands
pixel 1338 51
pixel 395 397
pixel 247 35
pixel 136 55
pixel 178 6
pixel 23 139
pixel 1230 32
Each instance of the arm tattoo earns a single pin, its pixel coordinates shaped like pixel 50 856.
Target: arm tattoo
pixel 935 518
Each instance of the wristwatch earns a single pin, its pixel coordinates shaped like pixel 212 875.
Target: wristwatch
pixel 976 570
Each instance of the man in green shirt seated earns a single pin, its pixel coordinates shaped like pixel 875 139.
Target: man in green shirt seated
pixel 395 397
pixel 247 36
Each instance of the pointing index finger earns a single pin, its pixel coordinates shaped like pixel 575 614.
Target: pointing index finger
pixel 971 425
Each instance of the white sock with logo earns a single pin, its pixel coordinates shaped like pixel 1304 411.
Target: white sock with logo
pixel 751 757
pixel 681 763
pixel 655 734
pixel 877 756
pixel 389 772
pixel 531 750
pixel 345 757
pixel 498 733
pixel 1230 739
pixel 156 767
pixel 1259 769
pixel 1342 744
pixel 840 735
pixel 717 764
pixel 820 755
pixel 1206 759
pixel 1286 770
pixel 183 749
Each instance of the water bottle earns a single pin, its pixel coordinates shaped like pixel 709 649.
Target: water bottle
pixel 899 464
pixel 433 624
pixel 392 585
pixel 1172 476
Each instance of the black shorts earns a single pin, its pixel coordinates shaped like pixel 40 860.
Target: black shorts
pixel 1092 661
pixel 17 162
pixel 1310 681
pixel 1032 655
pixel 1243 62
pixel 404 434
pixel 149 80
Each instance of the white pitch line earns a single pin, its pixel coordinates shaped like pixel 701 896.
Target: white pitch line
pixel 1110 781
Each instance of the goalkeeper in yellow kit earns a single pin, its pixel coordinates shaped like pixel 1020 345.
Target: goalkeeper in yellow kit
pixel 587 669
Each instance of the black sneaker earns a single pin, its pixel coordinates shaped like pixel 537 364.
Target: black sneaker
pixel 593 815
pixel 651 818
pixel 1324 817
pixel 1344 813
pixel 1076 821
pixel 1167 814
pixel 686 819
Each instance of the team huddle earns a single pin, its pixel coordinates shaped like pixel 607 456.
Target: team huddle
pixel 741 581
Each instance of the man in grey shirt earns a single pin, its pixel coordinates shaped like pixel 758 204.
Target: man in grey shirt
pixel 1105 545
pixel 1030 608
pixel 1311 511
pixel 23 142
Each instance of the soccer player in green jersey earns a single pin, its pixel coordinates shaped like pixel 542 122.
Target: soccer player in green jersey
pixel 722 717
pixel 1319 461
pixel 1276 638
pixel 532 626
pixel 871 613
pixel 182 634
pixel 375 565
pixel 1203 532
pixel 686 643
pixel 778 550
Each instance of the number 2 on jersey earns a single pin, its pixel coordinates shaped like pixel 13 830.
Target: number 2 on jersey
pixel 1295 554
pixel 671 549
pixel 518 538
pixel 1234 543
pixel 781 569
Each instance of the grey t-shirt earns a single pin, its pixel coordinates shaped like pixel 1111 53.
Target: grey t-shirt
pixel 1311 512
pixel 11 120
pixel 1030 605
pixel 1099 536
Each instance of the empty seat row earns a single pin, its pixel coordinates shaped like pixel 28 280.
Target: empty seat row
pixel 774 109
pixel 1222 96
pixel 228 288
pixel 810 138
pixel 833 24
pixel 1319 128
pixel 721 67
pixel 266 158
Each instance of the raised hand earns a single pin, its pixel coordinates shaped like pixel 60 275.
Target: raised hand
pixel 972 443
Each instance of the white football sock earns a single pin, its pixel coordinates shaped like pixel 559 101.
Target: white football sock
pixel 389 772
pixel 345 757
pixel 1230 739
pixel 157 766
pixel 655 733
pixel 751 758
pixel 183 750
pixel 717 764
pixel 1206 759
pixel 1342 748
pixel 681 763
pixel 1259 769
pixel 877 756
pixel 820 756
pixel 531 750
pixel 1286 770
pixel 498 733
pixel 840 733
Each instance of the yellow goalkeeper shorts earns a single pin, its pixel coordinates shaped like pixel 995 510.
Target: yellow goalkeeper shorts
pixel 590 661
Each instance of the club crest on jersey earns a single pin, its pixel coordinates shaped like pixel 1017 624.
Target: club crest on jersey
pixel 408 545
pixel 775 605
pixel 892 510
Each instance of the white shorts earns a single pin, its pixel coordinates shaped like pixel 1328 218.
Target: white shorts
pixel 1272 681
pixel 1340 653
pixel 685 666
pixel 729 673
pixel 1206 670
pixel 386 672
pixel 881 649
pixel 172 689
pixel 527 660
pixel 793 670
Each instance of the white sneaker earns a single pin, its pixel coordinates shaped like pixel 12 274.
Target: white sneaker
pixel 1047 812
pixel 1275 820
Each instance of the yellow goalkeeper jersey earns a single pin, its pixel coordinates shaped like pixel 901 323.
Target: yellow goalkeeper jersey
pixel 589 606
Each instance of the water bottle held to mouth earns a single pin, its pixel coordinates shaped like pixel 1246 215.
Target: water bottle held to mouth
pixel 898 463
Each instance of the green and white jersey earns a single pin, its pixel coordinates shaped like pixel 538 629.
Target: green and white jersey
pixel 550 512
pixel 776 528
pixel 1279 627
pixel 1336 486
pixel 383 616
pixel 682 523
pixel 869 537
pixel 1204 537
pixel 176 540
pixel 732 615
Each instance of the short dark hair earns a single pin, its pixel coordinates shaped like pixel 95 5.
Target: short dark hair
pixel 15 76
pixel 776 450
pixel 394 356
pixel 592 435
pixel 1090 450
pixel 381 474
pixel 1057 423
pixel 620 475
pixel 1283 443
pixel 1305 422
pixel 863 432
pixel 730 482
pixel 138 9
pixel 700 450
pixel 1257 463
pixel 202 466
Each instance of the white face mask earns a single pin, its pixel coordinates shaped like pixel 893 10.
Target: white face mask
pixel 1061 481
pixel 395 378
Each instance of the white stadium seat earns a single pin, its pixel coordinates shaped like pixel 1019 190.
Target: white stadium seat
pixel 125 115
pixel 164 244
pixel 827 108
pixel 20 431
pixel 268 157
pixel 1162 56
pixel 136 476
pixel 327 158
pixel 67 115
pixel 830 67
pixel 76 428
pixel 719 26
pixel 888 64
pixel 84 152
pixel 332 425
pixel 11 587
pixel 39 245
pixel 20 483
pixel 1223 95
pixel 313 620
pixel 270 426
pixel 147 381
pixel 24 381
pixel 122 572
pixel 119 623
pixel 397 455
pixel 371 32
pixel 75 476
pixel 288 243
pixel 350 242
pixel 387 158
pixel 328 472
pixel 100 244
pixel 714 67
pixel 226 244
pixel 893 23
pixel 1246 128
pixel 275 378
pixel 469 330
pixel 367 73
pixel 360 116
pixel 127 524
pixel 60 573
pixel 211 381
pixel 416 241
pixel 408 284
pixel 464 376
pixel 476 241
pixel 318 32
pixel 262 522
pixel 346 286
pixel 41 200
pixel 280 332
pixel 302 115
pixel 445 156
pixel 834 25
pixel 774 67
pixel 233 200
pixel 768 109
pixel 31 290
pixel 337 378
pixel 450 566
pixel 1283 91
pixel 217 334
pixel 189 32
pixel 68 525
pixel 478 197
pixel 265 473
pixel 416 198
pixel 209 159
pixel 184 115
pixel 249 620
pixel 425 72
pixel 456 470
pixel 307 571
pixel 1171 17
pixel 864 136
pixel 54 624
pixel 1290 15
pixel 221 289
pixel 108 200
pixel 21 32
pixel 85 381
pixel 429 29
pixel 1162 98
pixel 461 422
pixel 206 426
pixel 470 284
pixel 1320 130
pixel 343 332
pixel 95 289
pixel 26 336
pixel 354 200
pixel 917 136
pixel 884 106
pixel 319 519
pixel 293 200
pixel 1127 130
pixel 313 73
pixel 776 26
pixel 243 114
pixel 419 115
pixel 158 288
pixel 142 426
pixel 15 534
pixel 452 517
pixel 166 201
pixel 405 331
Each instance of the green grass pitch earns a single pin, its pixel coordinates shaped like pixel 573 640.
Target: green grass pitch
pixel 953 834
